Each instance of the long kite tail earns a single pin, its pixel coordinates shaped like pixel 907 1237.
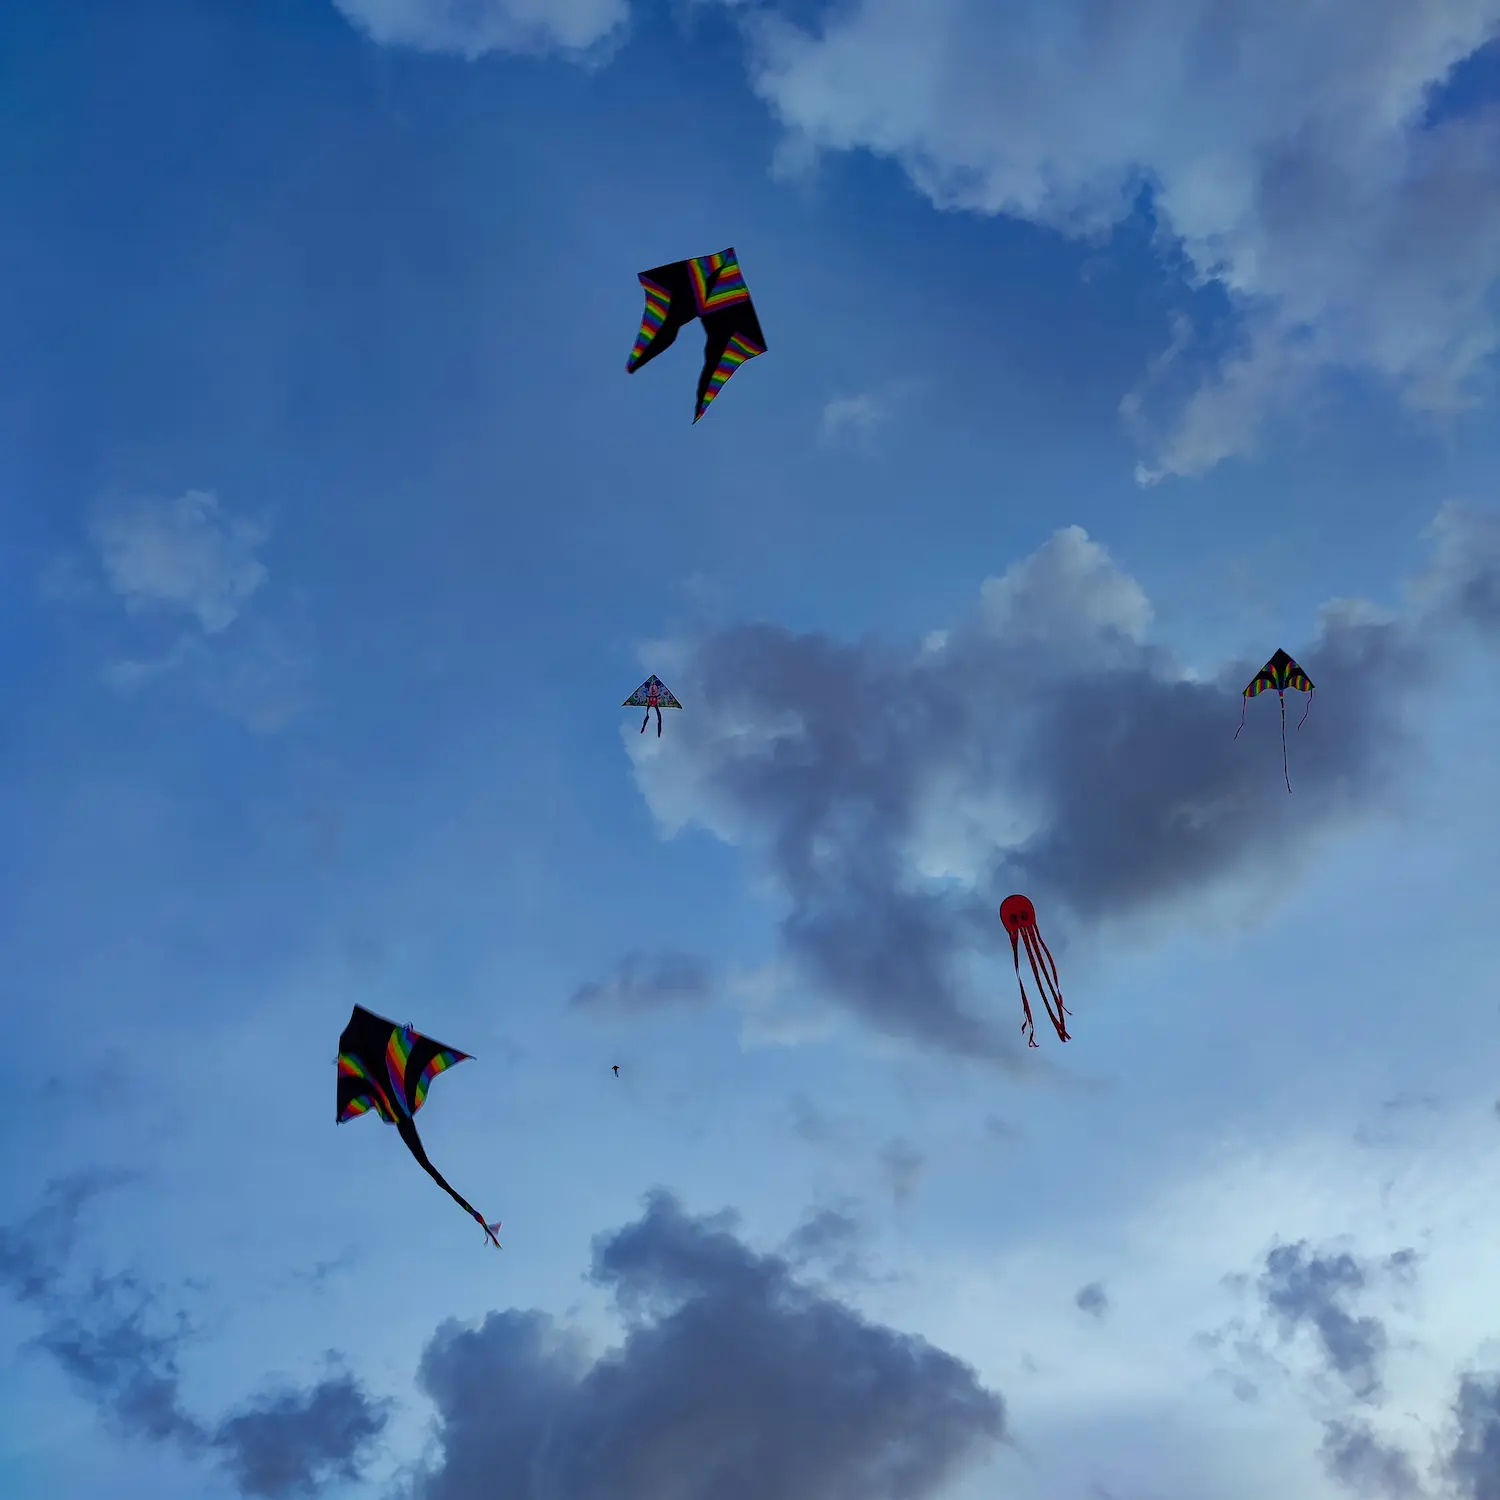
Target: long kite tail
pixel 1028 1025
pixel 414 1145
pixel 1046 979
pixel 1286 773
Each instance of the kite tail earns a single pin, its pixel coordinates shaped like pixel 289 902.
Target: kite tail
pixel 645 721
pixel 1028 1025
pixel 1244 704
pixel 1286 773
pixel 1046 978
pixel 658 723
pixel 413 1141
pixel 1306 711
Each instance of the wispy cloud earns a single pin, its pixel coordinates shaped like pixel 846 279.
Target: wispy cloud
pixel 643 982
pixel 1091 1299
pixel 114 1345
pixel 182 556
pixel 472 28
pixel 902 1165
pixel 193 567
pixel 856 418
pixel 854 415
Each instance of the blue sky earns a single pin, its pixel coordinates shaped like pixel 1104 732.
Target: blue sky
pixel 1110 348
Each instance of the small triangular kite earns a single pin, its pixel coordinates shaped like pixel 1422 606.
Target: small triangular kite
pixel 652 693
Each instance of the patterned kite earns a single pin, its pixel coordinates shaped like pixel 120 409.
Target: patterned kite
pixel 652 693
pixel 711 287
pixel 386 1067
pixel 1018 917
pixel 1280 673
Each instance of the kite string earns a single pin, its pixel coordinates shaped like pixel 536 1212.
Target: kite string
pixel 1244 704
pixel 1307 710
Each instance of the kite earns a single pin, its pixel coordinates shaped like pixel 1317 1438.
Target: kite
pixel 1280 673
pixel 711 287
pixel 617 1070
pixel 386 1067
pixel 1018 916
pixel 652 693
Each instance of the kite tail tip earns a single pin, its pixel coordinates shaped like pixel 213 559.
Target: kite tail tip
pixel 490 1230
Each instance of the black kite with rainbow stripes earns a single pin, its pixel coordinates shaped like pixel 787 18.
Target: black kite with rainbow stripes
pixel 386 1068
pixel 1279 674
pixel 710 287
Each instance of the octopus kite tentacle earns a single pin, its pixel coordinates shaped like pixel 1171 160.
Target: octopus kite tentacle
pixel 1046 979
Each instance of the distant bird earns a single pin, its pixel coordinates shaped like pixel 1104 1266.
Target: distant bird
pixel 617 1070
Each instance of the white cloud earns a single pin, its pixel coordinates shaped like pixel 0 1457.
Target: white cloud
pixel 1069 594
pixel 472 28
pixel 182 556
pixel 188 558
pixel 129 675
pixel 1287 143
pixel 859 415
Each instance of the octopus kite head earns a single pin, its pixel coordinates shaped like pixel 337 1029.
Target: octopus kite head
pixel 1017 912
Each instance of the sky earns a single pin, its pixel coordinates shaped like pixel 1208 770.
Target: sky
pixel 1110 348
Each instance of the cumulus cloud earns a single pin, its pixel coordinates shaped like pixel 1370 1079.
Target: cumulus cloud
pixel 894 793
pixel 1369 1466
pixel 182 556
pixel 471 28
pixel 643 982
pixel 121 1354
pixel 1473 1463
pixel 734 1381
pixel 1317 174
pixel 1312 1292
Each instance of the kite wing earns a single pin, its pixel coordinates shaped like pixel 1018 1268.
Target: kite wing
pixel 652 693
pixel 387 1068
pixel 710 287
pixel 1278 675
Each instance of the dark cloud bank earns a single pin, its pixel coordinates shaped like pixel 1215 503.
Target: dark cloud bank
pixel 1090 770
pixel 736 1380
